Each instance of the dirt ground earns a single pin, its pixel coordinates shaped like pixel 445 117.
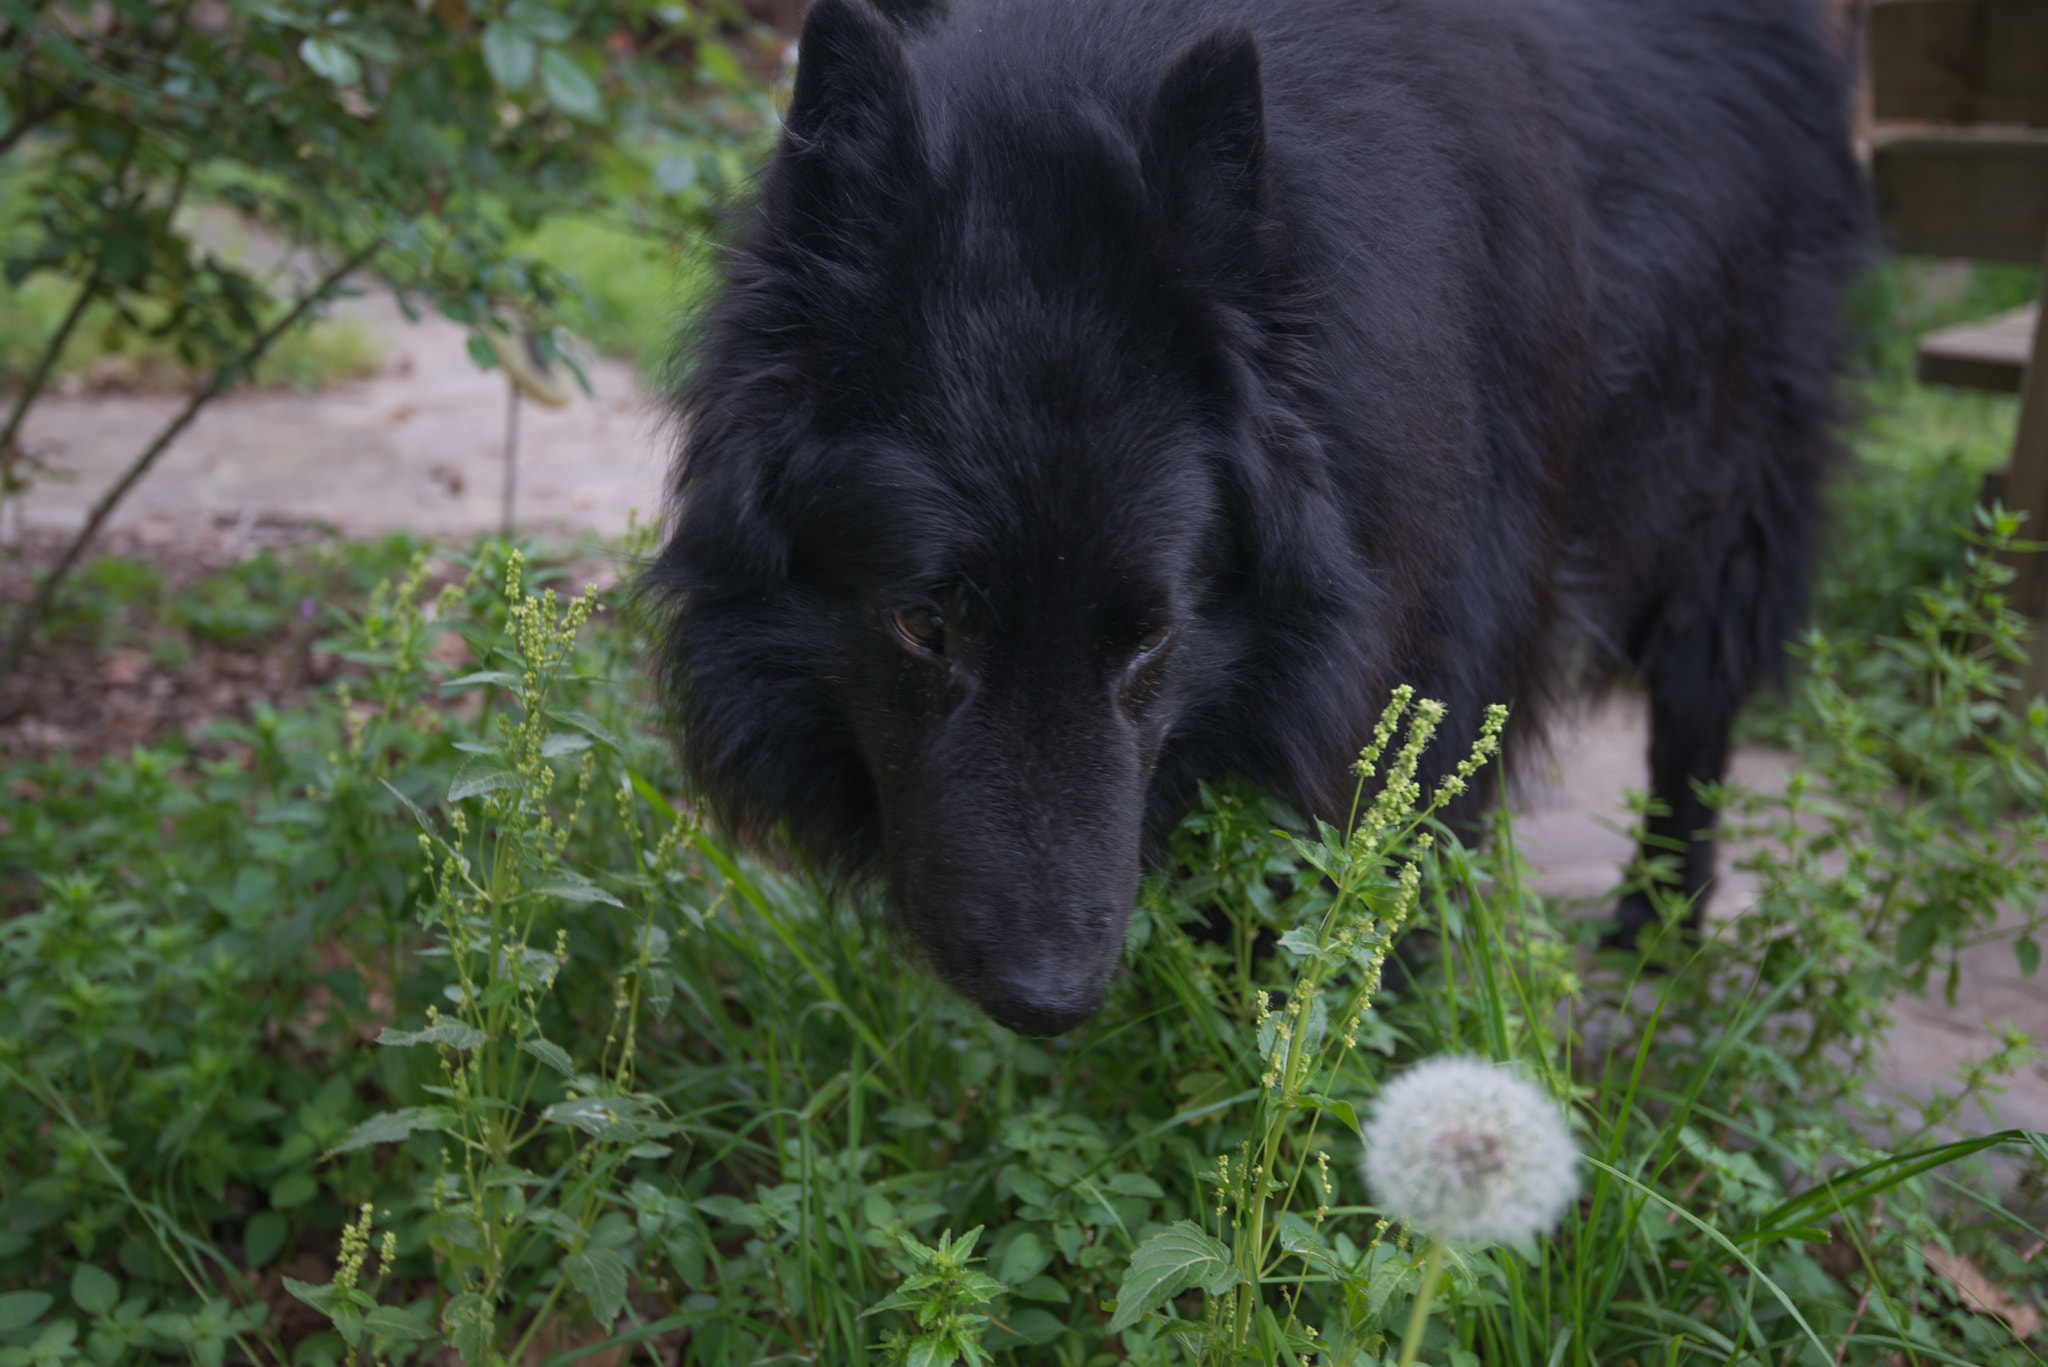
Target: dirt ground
pixel 421 445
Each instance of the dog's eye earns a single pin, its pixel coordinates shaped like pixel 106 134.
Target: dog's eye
pixel 919 627
pixel 1152 640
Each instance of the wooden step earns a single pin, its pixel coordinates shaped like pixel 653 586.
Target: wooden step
pixel 1991 353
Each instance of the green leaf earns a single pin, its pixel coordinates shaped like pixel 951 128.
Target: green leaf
pixel 608 1117
pixel 1342 1111
pixel 468 1323
pixel 572 886
pixel 674 175
pixel 393 1126
pixel 295 1190
pixel 1024 1259
pixel 484 676
pixel 479 775
pixel 553 1055
pixel 1302 941
pixel 396 1325
pixel 541 21
pixel 454 1034
pixel 19 1309
pixel 321 1298
pixel 508 55
pixel 2027 951
pixel 1168 1263
pixel 412 808
pixel 600 1274
pixel 1036 1327
pixel 92 1290
pixel 331 60
pixel 561 743
pixel 1043 1288
pixel 569 87
pixel 263 1236
pixel 587 724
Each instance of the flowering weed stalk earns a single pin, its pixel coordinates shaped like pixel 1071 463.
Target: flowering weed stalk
pixel 1375 874
pixel 533 1140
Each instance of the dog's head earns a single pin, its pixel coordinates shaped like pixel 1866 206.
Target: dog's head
pixel 974 484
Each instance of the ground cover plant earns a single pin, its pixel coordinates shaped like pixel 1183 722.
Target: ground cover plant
pixel 423 1018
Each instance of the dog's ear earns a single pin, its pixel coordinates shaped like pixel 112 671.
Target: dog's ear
pixel 850 149
pixel 1205 143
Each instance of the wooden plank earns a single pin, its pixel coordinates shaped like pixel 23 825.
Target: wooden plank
pixel 1988 354
pixel 2026 487
pixel 1980 193
pixel 1960 61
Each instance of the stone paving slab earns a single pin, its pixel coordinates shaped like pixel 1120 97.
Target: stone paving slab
pixel 1571 827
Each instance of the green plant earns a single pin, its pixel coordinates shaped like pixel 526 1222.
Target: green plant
pixel 414 143
pixel 677 1103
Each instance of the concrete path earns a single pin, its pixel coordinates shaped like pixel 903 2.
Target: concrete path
pixel 420 446
pixel 1572 830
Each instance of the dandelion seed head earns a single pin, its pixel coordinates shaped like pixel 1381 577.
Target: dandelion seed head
pixel 1468 1151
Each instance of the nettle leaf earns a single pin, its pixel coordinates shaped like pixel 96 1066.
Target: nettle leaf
pixel 483 676
pixel 412 808
pixel 1036 1327
pixel 393 1126
pixel 1168 1263
pixel 562 743
pixel 508 55
pixel 553 1055
pixel 1302 941
pixel 331 60
pixel 572 886
pixel 569 87
pixel 94 1291
pixel 608 1117
pixel 600 1274
pixel 396 1325
pixel 321 1298
pixel 454 1034
pixel 19 1309
pixel 1024 1259
pixel 468 1324
pixel 587 724
pixel 478 775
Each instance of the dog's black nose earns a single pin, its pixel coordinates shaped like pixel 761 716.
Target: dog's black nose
pixel 1041 1004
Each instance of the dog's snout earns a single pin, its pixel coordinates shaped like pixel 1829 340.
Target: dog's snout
pixel 1043 1002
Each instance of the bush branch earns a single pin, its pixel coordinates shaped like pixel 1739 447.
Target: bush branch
pixel 37 608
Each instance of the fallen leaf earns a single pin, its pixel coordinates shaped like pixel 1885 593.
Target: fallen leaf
pixel 1977 1292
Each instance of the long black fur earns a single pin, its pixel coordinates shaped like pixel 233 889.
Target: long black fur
pixel 1477 344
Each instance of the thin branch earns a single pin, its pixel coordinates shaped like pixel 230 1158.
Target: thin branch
pixel 48 362
pixel 54 349
pixel 32 613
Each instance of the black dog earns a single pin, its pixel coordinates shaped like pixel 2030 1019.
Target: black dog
pixel 1105 397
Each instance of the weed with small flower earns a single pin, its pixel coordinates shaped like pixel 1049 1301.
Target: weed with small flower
pixel 549 1071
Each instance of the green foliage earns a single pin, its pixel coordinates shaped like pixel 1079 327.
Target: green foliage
pixel 440 974
pixel 1920 451
pixel 439 134
pixel 415 143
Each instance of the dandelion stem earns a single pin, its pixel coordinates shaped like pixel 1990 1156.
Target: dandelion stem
pixel 1418 1314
